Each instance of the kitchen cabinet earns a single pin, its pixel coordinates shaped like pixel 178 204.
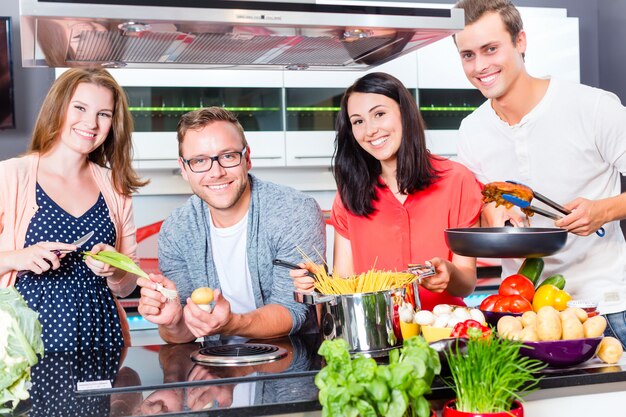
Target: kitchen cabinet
pixel 157 110
pixel 288 116
pixel 443 110
pixel 310 127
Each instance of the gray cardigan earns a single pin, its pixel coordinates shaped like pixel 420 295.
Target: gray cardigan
pixel 280 220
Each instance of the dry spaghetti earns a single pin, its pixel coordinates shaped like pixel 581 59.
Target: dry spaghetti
pixel 370 281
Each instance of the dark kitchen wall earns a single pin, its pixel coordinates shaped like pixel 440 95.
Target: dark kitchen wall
pixel 30 86
pixel 612 31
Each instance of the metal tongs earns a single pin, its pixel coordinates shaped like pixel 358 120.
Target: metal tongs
pixel 421 271
pixel 527 206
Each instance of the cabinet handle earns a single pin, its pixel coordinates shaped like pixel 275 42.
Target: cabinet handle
pixel 312 157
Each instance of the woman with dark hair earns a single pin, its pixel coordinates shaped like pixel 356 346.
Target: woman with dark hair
pixel 394 198
pixel 76 178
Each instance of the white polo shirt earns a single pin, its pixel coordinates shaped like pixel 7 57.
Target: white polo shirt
pixel 572 144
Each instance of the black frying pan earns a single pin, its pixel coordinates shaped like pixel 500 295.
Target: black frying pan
pixel 506 242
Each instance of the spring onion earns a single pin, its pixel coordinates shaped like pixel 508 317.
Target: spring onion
pixel 117 260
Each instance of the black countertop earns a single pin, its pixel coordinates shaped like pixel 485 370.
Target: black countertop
pixel 163 380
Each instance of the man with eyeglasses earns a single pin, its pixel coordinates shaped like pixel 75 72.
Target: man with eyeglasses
pixel 226 237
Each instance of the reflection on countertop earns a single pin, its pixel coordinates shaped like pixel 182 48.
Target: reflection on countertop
pixel 163 380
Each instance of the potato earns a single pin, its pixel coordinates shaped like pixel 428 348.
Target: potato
pixel 610 350
pixel 529 334
pixel 595 326
pixel 202 297
pixel 572 327
pixel 529 318
pixel 578 312
pixel 509 327
pixel 548 324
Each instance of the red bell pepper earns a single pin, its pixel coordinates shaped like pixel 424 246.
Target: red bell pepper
pixel 470 329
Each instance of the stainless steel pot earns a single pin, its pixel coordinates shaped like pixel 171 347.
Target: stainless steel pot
pixel 368 321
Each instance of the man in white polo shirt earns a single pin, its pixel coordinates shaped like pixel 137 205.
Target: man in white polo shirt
pixel 563 139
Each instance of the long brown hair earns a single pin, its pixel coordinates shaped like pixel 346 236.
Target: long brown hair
pixel 116 151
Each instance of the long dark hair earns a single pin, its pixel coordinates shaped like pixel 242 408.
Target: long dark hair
pixel 356 171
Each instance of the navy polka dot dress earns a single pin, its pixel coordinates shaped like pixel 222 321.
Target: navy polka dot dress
pixel 76 308
pixel 55 377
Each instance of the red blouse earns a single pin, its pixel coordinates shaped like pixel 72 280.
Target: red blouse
pixel 397 234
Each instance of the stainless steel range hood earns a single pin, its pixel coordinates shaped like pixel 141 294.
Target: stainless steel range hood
pixel 223 34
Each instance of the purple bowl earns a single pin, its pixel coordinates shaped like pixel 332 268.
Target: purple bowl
pixel 561 353
pixel 492 317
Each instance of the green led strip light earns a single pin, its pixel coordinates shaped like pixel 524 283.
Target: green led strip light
pixel 313 108
pixel 448 108
pixel 186 109
pixel 309 109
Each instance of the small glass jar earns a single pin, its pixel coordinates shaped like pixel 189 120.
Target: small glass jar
pixel 591 307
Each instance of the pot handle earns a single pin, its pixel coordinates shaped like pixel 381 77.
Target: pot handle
pixel 312 298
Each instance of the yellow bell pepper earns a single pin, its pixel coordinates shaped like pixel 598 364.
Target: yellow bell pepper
pixel 560 300
pixel 550 295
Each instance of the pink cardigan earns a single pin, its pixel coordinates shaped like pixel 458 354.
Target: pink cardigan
pixel 18 204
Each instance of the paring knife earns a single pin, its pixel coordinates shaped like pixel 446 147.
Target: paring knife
pixel 78 243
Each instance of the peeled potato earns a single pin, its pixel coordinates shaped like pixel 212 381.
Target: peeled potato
pixel 595 326
pixel 549 324
pixel 529 318
pixel 610 350
pixel 202 297
pixel 529 334
pixel 509 327
pixel 578 312
pixel 572 327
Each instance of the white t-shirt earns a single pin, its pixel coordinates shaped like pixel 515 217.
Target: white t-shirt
pixel 572 144
pixel 229 255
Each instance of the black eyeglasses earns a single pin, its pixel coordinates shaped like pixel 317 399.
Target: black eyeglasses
pixel 226 160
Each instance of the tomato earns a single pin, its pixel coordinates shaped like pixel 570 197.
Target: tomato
pixel 517 284
pixel 512 304
pixel 489 302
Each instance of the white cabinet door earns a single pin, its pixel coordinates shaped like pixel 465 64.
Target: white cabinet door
pixel 442 142
pixel 197 78
pixel 267 149
pixel 310 148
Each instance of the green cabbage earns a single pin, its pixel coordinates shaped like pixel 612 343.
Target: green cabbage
pixel 20 343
